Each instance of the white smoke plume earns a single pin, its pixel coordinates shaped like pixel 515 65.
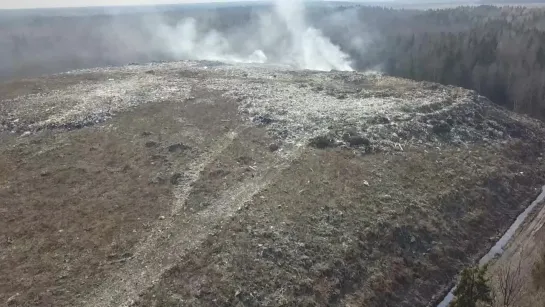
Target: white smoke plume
pixel 279 37
pixel 285 33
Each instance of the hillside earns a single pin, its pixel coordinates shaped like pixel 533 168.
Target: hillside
pixel 203 184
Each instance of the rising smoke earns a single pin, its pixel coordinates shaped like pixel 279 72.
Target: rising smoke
pixel 53 41
pixel 281 36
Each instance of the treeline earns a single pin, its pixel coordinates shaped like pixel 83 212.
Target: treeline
pixel 499 61
pixel 500 52
pixel 37 43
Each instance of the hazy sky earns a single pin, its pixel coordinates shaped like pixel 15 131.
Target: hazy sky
pixel 10 4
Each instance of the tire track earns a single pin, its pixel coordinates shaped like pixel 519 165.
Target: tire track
pixel 148 262
pixel 175 237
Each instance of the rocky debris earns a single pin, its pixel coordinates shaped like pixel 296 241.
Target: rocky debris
pixel 179 147
pixel 13 125
pixel 219 173
pixel 151 144
pixel 157 179
pixel 441 127
pixel 114 256
pixel 411 241
pixel 273 147
pixel 354 139
pixel 323 141
pixel 92 101
pixel 80 123
pixel 381 119
pixel 393 113
pixel 244 160
pixel 263 120
pixel 295 106
pixel 12 300
pixel 175 178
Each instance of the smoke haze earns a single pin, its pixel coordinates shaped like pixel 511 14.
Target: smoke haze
pixel 46 41
pixel 280 37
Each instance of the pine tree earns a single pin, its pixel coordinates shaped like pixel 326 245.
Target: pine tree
pixel 473 287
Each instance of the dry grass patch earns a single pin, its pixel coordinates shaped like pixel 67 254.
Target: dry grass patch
pixel 340 228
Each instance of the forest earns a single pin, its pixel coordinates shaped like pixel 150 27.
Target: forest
pixel 497 51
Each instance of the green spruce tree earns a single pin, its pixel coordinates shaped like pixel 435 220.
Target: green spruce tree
pixel 472 288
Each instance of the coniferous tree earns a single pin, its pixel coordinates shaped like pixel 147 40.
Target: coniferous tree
pixel 472 288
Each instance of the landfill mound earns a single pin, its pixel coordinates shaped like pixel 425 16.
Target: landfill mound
pixel 203 184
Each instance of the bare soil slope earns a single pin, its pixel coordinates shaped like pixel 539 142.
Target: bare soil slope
pixel 202 184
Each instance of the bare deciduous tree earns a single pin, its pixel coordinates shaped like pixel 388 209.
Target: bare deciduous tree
pixel 510 283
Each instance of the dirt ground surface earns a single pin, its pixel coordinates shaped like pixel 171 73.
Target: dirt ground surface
pixel 202 184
